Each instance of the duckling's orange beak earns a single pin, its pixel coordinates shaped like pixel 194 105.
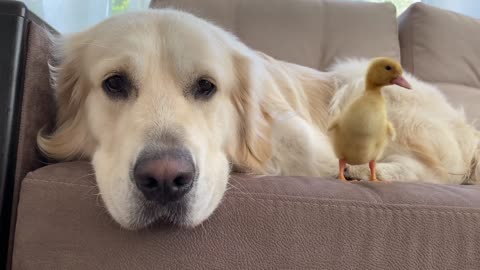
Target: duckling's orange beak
pixel 400 81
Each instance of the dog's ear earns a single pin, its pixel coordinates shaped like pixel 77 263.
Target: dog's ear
pixel 254 147
pixel 71 138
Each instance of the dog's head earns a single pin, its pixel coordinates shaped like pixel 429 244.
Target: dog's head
pixel 162 103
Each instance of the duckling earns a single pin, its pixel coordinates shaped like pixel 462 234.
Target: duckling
pixel 361 132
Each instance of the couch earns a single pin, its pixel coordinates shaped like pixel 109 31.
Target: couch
pixel 57 220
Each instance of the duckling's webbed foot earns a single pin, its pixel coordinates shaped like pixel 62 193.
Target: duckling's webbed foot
pixel 373 174
pixel 341 169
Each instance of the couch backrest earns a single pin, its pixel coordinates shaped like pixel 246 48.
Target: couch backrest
pixel 440 46
pixel 313 33
pixel 443 48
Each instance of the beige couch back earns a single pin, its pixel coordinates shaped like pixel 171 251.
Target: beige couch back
pixel 440 45
pixel 443 48
pixel 313 33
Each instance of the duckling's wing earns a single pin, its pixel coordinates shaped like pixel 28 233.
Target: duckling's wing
pixel 391 131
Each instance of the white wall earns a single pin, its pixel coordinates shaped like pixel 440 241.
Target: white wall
pixel 467 7
pixel 75 15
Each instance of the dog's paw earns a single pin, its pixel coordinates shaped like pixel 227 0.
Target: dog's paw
pixel 362 173
pixel 359 172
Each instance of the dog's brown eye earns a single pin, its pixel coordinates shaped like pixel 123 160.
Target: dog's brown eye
pixel 204 89
pixel 117 86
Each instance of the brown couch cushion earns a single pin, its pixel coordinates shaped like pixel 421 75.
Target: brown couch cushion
pixel 443 47
pixel 313 33
pixel 263 223
pixel 440 46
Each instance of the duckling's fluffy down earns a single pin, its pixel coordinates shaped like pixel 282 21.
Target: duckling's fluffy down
pixel 434 140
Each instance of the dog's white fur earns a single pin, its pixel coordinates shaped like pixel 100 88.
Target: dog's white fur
pixel 267 117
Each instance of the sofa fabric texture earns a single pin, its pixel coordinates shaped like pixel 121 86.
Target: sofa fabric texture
pixel 264 223
pixel 267 222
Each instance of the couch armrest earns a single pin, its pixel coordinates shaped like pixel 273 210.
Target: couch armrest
pixel 13 29
pixel 263 223
pixel 38 101
pixel 26 102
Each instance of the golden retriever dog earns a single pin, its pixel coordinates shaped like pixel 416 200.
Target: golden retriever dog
pixel 165 104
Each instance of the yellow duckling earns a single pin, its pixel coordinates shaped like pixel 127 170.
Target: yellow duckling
pixel 361 132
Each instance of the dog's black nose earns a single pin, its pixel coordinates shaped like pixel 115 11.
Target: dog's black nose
pixel 164 176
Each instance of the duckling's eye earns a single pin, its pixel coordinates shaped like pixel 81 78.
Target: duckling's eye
pixel 388 67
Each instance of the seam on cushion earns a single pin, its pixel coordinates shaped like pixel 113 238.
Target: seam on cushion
pixel 412 39
pixel 33 180
pixel 236 17
pixel 376 202
pixel 282 198
pixel 435 83
pixel 453 83
pixel 323 47
pixel 384 208
pixel 373 204
pixel 397 49
pixel 77 163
